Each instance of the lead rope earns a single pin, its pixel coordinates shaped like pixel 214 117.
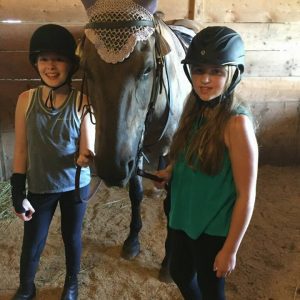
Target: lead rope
pixel 86 109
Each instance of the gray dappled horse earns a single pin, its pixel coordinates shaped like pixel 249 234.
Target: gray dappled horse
pixel 137 95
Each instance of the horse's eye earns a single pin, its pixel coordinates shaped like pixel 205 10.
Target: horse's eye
pixel 146 72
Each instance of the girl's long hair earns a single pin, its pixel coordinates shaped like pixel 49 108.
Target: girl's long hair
pixel 204 147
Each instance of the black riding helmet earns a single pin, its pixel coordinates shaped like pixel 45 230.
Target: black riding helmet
pixel 53 38
pixel 217 45
pixel 57 39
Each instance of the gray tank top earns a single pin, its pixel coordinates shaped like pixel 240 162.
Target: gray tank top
pixel 52 137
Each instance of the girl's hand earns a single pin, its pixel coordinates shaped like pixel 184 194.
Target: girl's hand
pixel 224 263
pixel 165 174
pixel 85 158
pixel 26 216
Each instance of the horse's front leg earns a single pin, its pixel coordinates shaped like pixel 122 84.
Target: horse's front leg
pixel 164 272
pixel 131 246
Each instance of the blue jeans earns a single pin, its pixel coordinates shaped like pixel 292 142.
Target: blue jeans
pixel 191 266
pixel 36 230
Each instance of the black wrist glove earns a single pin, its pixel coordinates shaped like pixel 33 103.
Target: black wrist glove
pixel 18 191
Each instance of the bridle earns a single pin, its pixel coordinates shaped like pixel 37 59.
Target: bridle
pixel 157 86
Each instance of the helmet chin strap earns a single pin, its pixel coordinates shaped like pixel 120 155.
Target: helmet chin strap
pixel 236 78
pixel 52 89
pixel 209 104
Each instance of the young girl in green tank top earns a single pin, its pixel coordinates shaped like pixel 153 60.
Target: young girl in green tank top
pixel 213 170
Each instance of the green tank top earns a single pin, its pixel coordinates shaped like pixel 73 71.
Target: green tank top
pixel 201 203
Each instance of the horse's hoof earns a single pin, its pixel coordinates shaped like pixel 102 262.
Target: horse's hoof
pixel 164 275
pixel 131 248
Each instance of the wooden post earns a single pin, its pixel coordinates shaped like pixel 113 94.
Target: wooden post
pixel 3 174
pixel 196 9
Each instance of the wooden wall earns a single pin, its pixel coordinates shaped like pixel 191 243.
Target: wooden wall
pixel 271 31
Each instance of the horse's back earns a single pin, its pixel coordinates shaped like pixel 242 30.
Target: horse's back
pixel 188 24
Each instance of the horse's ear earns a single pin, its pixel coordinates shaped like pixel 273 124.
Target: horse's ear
pixel 88 3
pixel 150 5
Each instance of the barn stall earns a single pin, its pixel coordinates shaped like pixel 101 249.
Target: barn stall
pixel 271 85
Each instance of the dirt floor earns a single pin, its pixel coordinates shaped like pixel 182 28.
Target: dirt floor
pixel 268 264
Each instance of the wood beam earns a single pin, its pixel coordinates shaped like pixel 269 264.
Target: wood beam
pixel 196 9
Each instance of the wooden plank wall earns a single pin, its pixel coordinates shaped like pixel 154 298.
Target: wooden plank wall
pixel 271 30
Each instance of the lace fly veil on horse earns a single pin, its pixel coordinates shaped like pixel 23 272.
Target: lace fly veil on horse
pixel 116 26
